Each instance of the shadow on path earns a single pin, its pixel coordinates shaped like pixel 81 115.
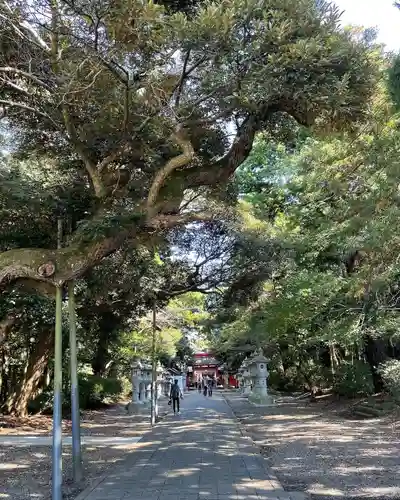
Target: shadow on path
pixel 200 454
pixel 314 450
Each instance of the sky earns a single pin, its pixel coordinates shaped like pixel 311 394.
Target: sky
pixel 374 13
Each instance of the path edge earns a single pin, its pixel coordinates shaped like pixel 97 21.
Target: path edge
pixel 88 490
pixel 246 435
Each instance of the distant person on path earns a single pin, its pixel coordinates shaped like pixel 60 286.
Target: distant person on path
pixel 205 388
pixel 210 387
pixel 176 395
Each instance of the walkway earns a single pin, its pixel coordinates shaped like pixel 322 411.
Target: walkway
pixel 200 454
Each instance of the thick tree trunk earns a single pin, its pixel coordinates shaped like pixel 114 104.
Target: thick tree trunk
pixel 101 357
pixel 375 350
pixel 5 327
pixel 332 358
pixel 37 364
pixel 4 379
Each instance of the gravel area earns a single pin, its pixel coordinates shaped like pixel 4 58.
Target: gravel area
pixel 25 472
pixel 312 448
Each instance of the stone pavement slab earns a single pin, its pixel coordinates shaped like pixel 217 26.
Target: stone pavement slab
pixel 200 454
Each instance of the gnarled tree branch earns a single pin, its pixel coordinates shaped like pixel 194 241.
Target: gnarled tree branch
pixel 174 163
pixel 21 105
pixel 80 148
pixel 56 267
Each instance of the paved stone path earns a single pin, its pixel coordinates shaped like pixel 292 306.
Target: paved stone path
pixel 200 454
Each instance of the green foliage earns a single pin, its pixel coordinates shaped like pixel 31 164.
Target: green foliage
pixel 95 391
pixel 98 119
pixel 390 371
pixel 394 82
pixel 270 62
pixel 337 279
pixel 287 381
pixel 353 379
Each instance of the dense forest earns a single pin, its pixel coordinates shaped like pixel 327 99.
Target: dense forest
pixel 234 164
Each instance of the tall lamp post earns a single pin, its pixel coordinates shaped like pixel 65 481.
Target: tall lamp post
pixel 57 416
pixel 154 402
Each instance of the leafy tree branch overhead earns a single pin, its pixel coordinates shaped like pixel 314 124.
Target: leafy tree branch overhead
pixel 143 102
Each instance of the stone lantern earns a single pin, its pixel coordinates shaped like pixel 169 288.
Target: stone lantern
pixel 246 378
pixel 159 380
pixel 259 374
pixel 240 378
pixel 167 384
pixel 136 386
pixel 136 380
pixel 147 371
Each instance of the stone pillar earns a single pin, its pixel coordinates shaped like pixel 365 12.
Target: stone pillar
pixel 159 381
pixel 136 381
pixel 241 378
pixel 168 387
pixel 259 375
pixel 246 381
pixel 245 378
pixel 142 391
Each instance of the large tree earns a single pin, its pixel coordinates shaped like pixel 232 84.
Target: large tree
pixel 157 108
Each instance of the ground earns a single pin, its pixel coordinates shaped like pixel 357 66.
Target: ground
pixel 200 454
pixel 25 472
pixel 314 448
pixel 310 447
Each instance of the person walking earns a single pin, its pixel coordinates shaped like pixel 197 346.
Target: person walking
pixel 175 396
pixel 210 387
pixel 205 388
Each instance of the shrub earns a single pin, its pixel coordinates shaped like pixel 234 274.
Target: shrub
pixel 390 373
pixel 95 391
pixel 285 382
pixel 42 403
pixel 126 385
pixel 354 379
pixel 315 376
pixel 310 376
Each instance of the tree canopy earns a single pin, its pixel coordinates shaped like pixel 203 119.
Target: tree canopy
pixel 154 108
pixel 332 203
pixel 233 164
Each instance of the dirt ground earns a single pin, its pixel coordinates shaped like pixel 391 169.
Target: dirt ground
pixel 312 447
pixel 111 421
pixel 25 472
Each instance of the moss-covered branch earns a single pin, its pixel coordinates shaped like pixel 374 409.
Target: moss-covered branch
pixel 56 267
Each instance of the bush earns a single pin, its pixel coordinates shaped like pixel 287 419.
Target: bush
pixel 281 381
pixel 390 373
pixel 126 385
pixel 315 376
pixel 352 380
pixel 95 391
pixel 42 403
pixel 311 376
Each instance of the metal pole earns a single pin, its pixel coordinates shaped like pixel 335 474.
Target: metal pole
pixel 154 368
pixel 57 415
pixel 76 431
